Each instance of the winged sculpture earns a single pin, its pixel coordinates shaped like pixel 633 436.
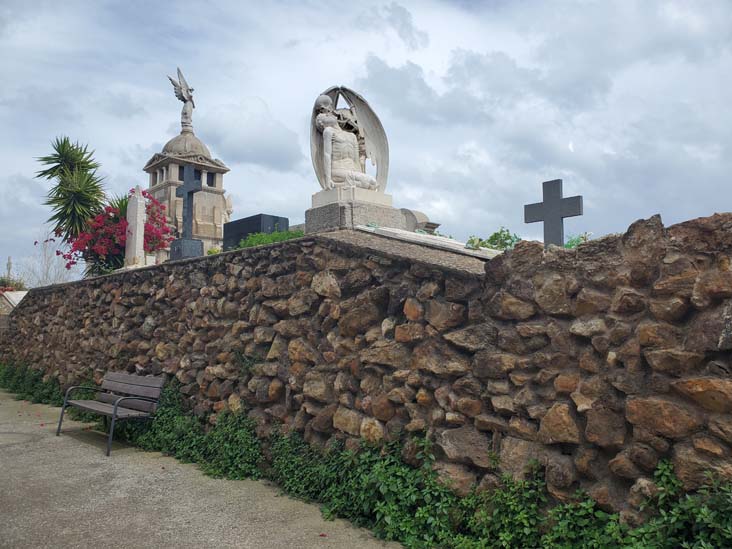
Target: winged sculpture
pixel 342 139
pixel 185 93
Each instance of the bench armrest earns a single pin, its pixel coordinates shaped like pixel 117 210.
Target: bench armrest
pixel 120 399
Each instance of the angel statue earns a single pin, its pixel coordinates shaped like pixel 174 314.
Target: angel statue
pixel 342 139
pixel 185 93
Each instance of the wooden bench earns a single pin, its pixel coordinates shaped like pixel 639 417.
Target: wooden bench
pixel 121 397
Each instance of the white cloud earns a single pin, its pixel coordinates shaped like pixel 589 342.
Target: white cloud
pixel 249 133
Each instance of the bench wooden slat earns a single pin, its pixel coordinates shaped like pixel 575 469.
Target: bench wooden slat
pixel 132 390
pixel 107 409
pixel 133 379
pixel 141 405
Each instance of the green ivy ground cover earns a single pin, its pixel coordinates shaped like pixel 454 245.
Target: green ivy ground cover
pixel 375 489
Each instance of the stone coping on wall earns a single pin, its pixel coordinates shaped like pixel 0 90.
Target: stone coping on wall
pixel 388 247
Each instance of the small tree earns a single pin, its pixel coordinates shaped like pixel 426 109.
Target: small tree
pixel 45 267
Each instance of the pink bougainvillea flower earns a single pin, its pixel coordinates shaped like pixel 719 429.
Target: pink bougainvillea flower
pixel 107 234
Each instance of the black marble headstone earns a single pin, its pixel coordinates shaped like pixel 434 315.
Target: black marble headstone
pixel 183 248
pixel 235 231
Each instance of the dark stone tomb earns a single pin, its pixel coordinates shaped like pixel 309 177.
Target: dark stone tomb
pixel 235 231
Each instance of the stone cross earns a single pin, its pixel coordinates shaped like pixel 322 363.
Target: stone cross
pixel 552 211
pixel 186 192
pixel 135 244
pixel 186 246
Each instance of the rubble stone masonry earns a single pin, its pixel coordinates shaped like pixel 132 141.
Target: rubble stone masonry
pixel 596 362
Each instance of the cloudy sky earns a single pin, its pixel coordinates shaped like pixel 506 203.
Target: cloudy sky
pixel 627 101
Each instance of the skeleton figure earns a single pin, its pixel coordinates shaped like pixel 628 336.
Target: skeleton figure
pixel 342 158
pixel 185 93
pixel 342 139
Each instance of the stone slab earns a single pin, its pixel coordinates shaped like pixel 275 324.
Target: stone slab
pixel 401 250
pixel 184 248
pixel 430 240
pixel 350 194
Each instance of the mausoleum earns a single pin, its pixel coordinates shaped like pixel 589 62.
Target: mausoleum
pixel 211 206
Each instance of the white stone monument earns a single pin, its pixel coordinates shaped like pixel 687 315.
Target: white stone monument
pixel 135 243
pixel 341 140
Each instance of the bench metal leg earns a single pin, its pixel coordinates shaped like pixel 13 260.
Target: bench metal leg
pixel 60 420
pixel 111 435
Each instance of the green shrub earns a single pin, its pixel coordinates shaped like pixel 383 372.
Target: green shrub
pixel 372 487
pixel 173 431
pixel 259 239
pixel 231 448
pixel 575 240
pixel 582 525
pixel 512 515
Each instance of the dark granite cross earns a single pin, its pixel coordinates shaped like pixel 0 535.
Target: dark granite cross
pixel 553 211
pixel 186 192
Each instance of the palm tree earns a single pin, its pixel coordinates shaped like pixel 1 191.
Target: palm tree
pixel 78 194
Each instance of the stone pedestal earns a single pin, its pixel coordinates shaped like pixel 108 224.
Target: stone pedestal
pixel 351 194
pixel 347 207
pixel 184 248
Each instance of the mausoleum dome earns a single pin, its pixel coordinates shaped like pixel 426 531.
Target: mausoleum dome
pixel 186 143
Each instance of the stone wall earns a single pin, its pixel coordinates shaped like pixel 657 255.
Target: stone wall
pixel 595 362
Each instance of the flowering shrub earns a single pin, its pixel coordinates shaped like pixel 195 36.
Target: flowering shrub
pixel 102 245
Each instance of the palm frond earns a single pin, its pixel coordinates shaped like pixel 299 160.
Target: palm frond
pixel 67 157
pixel 120 202
pixel 76 199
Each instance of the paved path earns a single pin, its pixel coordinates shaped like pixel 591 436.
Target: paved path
pixel 63 492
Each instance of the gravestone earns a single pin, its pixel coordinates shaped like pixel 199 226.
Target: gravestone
pixel 235 231
pixel 187 246
pixel 135 243
pixel 552 211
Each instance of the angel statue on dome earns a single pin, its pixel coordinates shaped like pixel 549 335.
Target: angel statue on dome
pixel 185 93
